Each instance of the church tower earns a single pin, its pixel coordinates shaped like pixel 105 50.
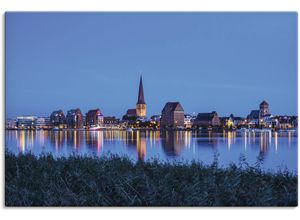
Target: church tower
pixel 141 105
pixel 263 108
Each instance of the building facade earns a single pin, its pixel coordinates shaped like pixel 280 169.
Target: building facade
pixel 74 119
pixel 10 123
pixel 263 108
pixel 26 122
pixel 43 123
pixel 188 121
pixel 207 119
pixel 58 119
pixel 94 118
pixel 110 121
pixel 172 115
pixel 256 117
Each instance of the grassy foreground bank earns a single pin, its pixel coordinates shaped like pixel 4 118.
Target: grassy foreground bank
pixel 115 181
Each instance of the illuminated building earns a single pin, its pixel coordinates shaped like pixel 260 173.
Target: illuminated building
pixel 26 122
pixel 256 117
pixel 94 118
pixel 74 119
pixel 253 117
pixel 43 123
pixel 141 104
pixel 110 121
pixel 172 115
pixel 58 119
pixel 10 123
pixel 188 121
pixel 263 108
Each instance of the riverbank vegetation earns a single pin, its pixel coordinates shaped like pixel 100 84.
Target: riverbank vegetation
pixel 117 181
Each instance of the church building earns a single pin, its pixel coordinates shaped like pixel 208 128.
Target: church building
pixel 141 104
pixel 140 109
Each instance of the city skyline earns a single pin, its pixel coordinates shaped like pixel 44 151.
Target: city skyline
pixel 206 61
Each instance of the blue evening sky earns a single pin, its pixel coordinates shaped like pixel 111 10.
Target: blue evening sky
pixel 228 62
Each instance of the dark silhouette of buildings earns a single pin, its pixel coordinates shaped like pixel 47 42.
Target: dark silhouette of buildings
pixel 172 115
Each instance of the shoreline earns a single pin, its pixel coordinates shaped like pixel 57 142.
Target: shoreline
pixel 161 129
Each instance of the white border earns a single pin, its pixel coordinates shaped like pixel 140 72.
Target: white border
pixel 138 213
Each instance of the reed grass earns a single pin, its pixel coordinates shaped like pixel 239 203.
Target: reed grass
pixel 117 181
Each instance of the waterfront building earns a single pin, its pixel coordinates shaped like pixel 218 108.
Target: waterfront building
pixel 286 122
pixel 155 118
pixel 43 123
pixel 141 104
pixel 172 115
pixel 26 122
pixel 233 121
pixel 10 123
pixel 110 121
pixel 140 110
pixel 74 119
pixel 227 122
pixel 155 121
pixel 239 121
pixel 188 121
pixel 207 119
pixel 269 121
pixel 255 118
pixel 94 118
pixel 58 119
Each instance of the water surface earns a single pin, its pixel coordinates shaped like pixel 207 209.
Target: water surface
pixel 275 150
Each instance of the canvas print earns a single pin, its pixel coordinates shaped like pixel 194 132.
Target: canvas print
pixel 151 109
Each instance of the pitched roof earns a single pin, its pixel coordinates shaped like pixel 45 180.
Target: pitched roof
pixel 264 103
pixel 172 106
pixel 94 112
pixel 254 114
pixel 205 116
pixel 131 111
pixel 238 118
pixel 141 99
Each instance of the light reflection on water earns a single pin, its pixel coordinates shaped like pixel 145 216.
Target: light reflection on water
pixel 277 149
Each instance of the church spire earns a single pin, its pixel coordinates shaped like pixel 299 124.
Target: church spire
pixel 141 99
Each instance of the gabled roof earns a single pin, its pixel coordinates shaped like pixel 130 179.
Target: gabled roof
pixel 131 111
pixel 264 103
pixel 172 106
pixel 238 118
pixel 254 114
pixel 94 112
pixel 206 116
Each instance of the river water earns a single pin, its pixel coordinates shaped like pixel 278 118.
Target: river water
pixel 276 150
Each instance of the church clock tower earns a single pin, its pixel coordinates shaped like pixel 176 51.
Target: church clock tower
pixel 141 104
